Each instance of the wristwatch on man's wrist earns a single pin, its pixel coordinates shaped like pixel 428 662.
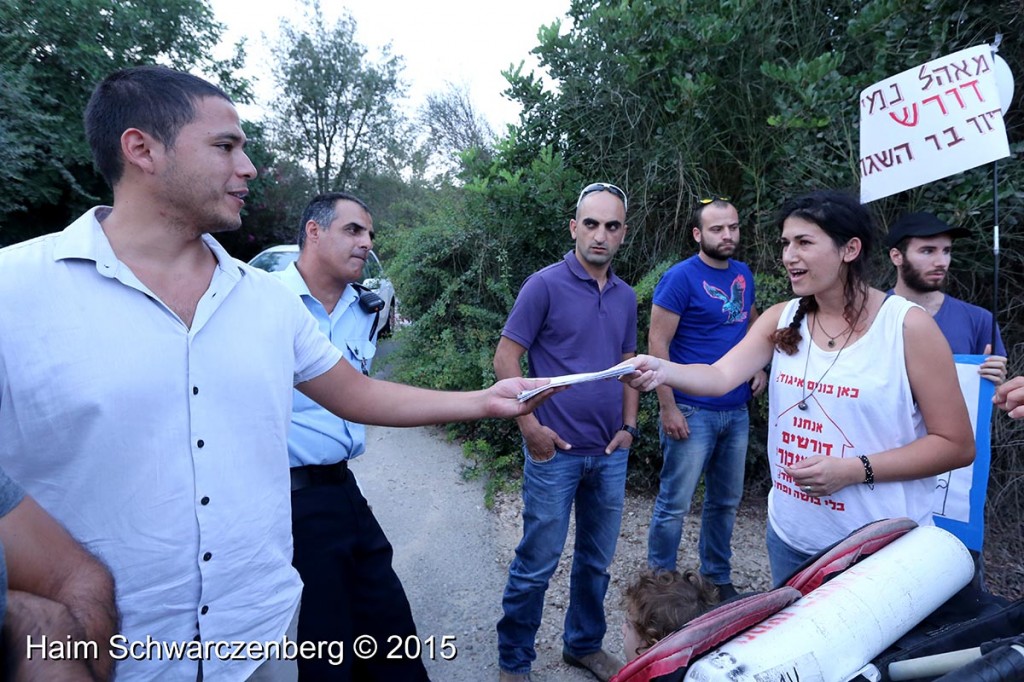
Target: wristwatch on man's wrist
pixel 631 430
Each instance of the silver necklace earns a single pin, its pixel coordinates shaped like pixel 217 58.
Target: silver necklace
pixel 803 401
pixel 831 339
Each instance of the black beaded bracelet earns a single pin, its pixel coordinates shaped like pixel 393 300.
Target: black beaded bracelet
pixel 869 473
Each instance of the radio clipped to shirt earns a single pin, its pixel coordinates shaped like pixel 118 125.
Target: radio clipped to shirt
pixel 370 303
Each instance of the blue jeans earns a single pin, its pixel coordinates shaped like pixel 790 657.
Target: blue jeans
pixel 717 448
pixel 783 559
pixel 597 484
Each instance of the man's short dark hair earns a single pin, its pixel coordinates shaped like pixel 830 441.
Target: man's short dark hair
pixel 154 99
pixel 320 210
pixel 699 207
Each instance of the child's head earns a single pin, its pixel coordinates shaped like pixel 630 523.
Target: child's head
pixel 658 603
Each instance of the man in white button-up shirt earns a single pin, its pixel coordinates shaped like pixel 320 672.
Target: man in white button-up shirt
pixel 146 385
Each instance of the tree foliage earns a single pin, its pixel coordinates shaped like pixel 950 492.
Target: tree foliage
pixel 674 100
pixel 336 109
pixel 52 54
pixel 21 127
pixel 454 127
pixel 751 99
pixel 458 266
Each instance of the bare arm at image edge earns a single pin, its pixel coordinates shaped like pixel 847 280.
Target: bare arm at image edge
pixel 759 381
pixel 58 589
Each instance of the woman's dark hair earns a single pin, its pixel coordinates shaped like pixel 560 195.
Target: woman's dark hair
pixel 842 217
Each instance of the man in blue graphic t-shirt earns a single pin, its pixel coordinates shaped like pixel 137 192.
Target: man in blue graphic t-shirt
pixel 702 307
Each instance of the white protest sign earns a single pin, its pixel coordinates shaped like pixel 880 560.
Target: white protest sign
pixel 929 122
pixel 1004 84
pixel 960 494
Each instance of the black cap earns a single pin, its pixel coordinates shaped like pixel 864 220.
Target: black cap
pixel 922 224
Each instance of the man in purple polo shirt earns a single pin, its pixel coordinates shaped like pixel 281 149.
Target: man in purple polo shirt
pixel 572 316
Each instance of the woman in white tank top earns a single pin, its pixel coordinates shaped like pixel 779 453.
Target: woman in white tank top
pixel 864 404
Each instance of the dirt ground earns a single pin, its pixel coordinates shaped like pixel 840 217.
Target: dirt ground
pixel 750 571
pixel 452 553
pixel 1004 558
pixel 749 567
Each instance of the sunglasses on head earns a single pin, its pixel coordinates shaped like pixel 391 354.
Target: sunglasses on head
pixel 710 200
pixel 603 187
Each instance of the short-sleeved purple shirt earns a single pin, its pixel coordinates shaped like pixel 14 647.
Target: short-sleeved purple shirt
pixel 567 325
pixel 967 327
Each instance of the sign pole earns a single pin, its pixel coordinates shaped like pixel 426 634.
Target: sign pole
pixel 995 252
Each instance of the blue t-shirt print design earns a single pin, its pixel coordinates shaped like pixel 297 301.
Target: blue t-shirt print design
pixel 732 304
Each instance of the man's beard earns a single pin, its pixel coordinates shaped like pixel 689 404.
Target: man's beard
pixel 717 253
pixel 914 281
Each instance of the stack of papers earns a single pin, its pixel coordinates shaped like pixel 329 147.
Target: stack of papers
pixel 611 373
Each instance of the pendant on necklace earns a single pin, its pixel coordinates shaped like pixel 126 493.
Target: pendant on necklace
pixel 831 343
pixel 802 405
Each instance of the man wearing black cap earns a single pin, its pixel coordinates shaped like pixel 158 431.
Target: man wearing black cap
pixel 921 246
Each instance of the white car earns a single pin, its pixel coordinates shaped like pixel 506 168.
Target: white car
pixel 278 257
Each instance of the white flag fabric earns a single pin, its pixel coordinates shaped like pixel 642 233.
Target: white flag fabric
pixel 929 122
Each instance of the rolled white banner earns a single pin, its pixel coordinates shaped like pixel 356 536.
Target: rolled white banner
pixel 835 630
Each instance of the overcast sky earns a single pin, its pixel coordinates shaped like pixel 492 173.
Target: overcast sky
pixel 466 42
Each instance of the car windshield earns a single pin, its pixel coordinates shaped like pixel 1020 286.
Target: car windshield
pixel 277 260
pixel 274 260
pixel 372 268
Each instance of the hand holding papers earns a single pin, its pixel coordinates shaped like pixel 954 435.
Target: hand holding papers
pixel 615 372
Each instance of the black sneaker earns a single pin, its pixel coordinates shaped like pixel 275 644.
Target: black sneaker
pixel 726 591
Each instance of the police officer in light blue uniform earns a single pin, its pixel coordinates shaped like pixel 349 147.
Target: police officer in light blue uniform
pixel 341 552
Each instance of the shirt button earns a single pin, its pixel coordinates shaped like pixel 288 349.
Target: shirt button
pixel 204 610
pixel 207 556
pixel 205 501
pixel 200 442
pixel 195 390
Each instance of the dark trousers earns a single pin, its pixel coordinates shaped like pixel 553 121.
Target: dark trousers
pixel 351 589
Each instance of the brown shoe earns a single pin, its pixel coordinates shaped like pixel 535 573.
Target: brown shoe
pixel 512 677
pixel 601 664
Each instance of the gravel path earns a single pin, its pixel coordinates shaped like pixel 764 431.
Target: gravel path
pixel 453 554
